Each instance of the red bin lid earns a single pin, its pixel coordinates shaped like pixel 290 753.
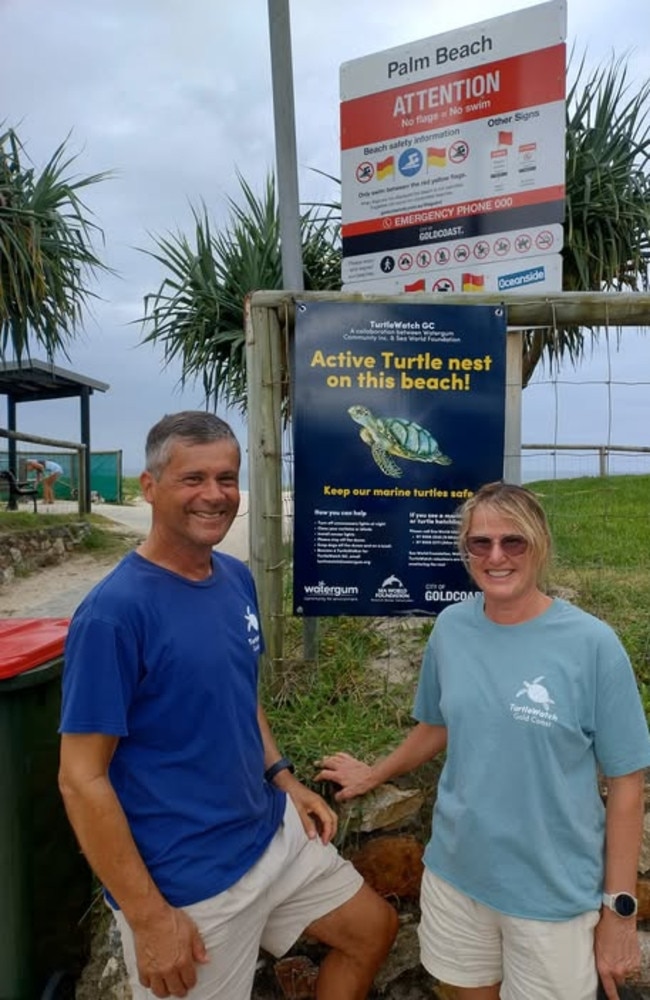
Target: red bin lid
pixel 26 643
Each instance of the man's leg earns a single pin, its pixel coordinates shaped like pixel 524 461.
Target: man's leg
pixel 360 934
pixel 318 893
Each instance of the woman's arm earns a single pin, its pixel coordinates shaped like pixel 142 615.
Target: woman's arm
pixel 616 941
pixel 356 778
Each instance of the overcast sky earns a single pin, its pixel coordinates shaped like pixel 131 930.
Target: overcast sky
pixel 175 98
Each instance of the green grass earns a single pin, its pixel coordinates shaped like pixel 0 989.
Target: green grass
pixel 601 532
pixel 333 704
pixel 598 523
pixel 130 489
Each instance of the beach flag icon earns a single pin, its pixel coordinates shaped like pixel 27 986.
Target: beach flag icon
pixel 416 286
pixel 386 168
pixel 473 282
pixel 436 156
pixel 505 138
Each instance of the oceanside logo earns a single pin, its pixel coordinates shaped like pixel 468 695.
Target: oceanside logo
pixel 327 592
pixel 392 589
pixel 521 278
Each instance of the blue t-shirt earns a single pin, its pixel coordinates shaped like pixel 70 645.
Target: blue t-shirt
pixel 169 665
pixel 533 711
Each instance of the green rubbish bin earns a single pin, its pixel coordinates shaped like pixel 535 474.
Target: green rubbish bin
pixel 45 883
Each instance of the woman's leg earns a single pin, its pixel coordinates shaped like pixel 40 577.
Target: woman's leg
pixel 48 488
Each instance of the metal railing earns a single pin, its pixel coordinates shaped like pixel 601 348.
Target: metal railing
pixel 602 450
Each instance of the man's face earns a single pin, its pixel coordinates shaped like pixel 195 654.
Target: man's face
pixel 196 497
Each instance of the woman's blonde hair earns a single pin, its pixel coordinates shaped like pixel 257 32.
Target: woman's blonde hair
pixel 521 507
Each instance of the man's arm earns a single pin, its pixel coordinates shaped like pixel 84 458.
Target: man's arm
pixel 317 817
pixel 616 940
pixel 167 942
pixel 356 778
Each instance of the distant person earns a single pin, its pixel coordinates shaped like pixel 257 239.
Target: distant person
pixel 529 882
pixel 47 473
pixel 181 801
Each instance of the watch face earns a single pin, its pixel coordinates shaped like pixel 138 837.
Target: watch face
pixel 625 904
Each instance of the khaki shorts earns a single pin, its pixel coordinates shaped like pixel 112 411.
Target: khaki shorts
pixel 464 943
pixel 294 883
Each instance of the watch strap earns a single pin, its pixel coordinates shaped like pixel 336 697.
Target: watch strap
pixel 631 903
pixel 284 764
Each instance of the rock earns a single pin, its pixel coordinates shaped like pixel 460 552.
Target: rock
pixel 297 976
pixel 643 894
pixel 385 808
pixel 644 857
pixel 391 865
pixel 404 955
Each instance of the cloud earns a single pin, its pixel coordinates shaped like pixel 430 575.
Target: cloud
pixel 175 98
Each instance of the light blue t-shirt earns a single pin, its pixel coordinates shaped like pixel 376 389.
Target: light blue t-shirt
pixel 533 712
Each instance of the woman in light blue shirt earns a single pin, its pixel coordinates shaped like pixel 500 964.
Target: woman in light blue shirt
pixel 529 883
pixel 47 472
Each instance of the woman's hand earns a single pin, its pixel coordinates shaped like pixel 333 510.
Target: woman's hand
pixel 354 777
pixel 616 945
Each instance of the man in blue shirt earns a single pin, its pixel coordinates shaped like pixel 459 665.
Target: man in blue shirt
pixel 205 842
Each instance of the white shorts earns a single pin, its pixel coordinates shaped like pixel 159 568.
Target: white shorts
pixel 464 943
pixel 294 883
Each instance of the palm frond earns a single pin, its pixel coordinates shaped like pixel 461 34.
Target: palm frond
pixel 46 254
pixel 197 313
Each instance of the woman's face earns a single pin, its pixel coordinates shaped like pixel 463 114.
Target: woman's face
pixel 505 577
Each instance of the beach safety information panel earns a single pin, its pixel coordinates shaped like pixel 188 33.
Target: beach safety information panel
pixel 398 418
pixel 453 158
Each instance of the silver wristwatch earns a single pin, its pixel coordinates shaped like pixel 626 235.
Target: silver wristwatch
pixel 622 903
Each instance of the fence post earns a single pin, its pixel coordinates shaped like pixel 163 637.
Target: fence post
pixel 264 377
pixel 512 442
pixel 602 460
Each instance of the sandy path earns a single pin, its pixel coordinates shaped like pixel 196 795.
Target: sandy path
pixel 54 591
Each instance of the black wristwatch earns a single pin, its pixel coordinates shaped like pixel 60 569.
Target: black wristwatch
pixel 622 903
pixel 284 764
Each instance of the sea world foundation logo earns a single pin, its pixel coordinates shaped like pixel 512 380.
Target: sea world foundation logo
pixel 392 589
pixel 322 591
pixel 519 279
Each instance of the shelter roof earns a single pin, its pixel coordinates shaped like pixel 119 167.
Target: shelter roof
pixel 40 380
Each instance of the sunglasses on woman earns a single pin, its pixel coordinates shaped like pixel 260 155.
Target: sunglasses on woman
pixel 482 545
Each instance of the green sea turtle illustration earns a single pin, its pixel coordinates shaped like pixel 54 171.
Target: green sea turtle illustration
pixel 395 436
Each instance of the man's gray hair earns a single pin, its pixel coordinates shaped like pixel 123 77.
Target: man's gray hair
pixel 190 426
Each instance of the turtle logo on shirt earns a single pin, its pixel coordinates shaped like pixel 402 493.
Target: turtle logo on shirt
pixel 536 693
pixel 252 624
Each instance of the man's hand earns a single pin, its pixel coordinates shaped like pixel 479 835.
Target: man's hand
pixel 354 777
pixel 316 816
pixel 616 944
pixel 168 948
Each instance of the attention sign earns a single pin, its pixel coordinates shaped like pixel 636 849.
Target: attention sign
pixel 452 162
